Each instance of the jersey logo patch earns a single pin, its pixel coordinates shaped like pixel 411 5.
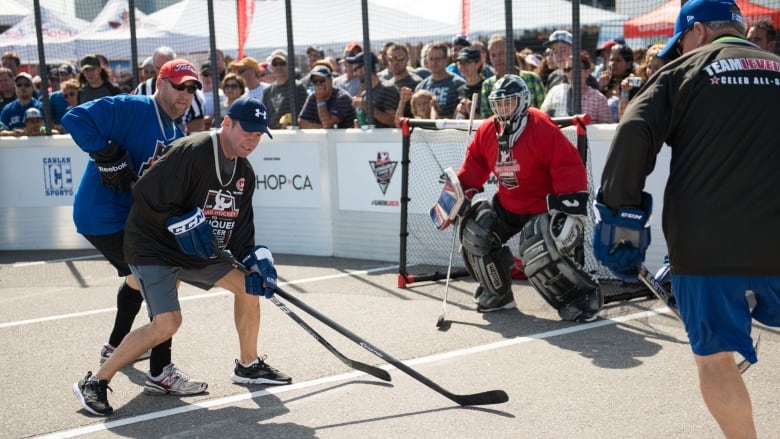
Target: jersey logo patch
pixel 221 213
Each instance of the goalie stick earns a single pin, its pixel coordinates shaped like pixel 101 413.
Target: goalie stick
pixel 482 398
pixel 667 298
pixel 442 322
pixel 371 370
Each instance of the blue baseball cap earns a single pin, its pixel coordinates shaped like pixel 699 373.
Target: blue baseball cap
pixel 251 114
pixel 360 59
pixel 702 11
pixel 321 71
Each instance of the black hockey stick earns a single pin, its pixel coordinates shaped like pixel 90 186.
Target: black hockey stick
pixel 483 398
pixel 371 370
pixel 664 296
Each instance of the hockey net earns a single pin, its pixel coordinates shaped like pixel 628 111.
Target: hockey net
pixel 431 146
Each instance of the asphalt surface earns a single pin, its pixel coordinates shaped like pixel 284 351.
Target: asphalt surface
pixel 630 374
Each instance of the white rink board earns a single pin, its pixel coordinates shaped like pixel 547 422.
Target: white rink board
pixel 319 194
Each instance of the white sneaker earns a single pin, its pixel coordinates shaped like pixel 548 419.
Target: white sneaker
pixel 175 382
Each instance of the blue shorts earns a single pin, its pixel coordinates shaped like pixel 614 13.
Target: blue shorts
pixel 716 312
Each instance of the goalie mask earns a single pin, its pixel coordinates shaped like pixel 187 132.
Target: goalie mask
pixel 509 100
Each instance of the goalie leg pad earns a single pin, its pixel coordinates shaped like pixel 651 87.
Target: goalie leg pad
pixel 558 279
pixel 479 230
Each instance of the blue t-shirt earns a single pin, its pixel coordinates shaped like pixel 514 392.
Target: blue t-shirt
pixel 131 123
pixel 12 115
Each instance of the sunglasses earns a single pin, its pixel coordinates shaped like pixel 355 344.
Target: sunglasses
pixel 181 87
pixel 396 58
pixel 278 63
pixel 232 85
pixel 318 81
pixel 205 74
pixel 24 84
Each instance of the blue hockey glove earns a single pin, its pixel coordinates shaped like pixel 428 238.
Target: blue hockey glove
pixel 620 239
pixel 262 280
pixel 192 232
pixel 115 167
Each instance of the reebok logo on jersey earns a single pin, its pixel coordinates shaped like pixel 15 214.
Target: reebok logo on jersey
pixel 114 168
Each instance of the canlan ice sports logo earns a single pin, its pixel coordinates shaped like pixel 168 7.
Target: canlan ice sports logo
pixel 383 169
pixel 57 177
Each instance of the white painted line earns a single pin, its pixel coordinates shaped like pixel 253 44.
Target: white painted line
pixel 215 293
pixel 206 404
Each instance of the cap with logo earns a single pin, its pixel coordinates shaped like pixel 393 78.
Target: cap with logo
pixel 33 113
pixel 247 61
pixel 178 71
pixel 321 71
pixel 89 62
pixel 469 54
pixel 559 35
pixel 251 114
pixel 702 11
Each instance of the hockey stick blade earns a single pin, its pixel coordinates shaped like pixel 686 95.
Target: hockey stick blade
pixel 657 289
pixel 366 368
pixel 484 398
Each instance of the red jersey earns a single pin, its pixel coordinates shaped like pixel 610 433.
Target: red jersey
pixel 542 161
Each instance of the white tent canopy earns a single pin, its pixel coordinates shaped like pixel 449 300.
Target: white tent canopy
pixel 58 33
pixel 12 13
pixel 109 33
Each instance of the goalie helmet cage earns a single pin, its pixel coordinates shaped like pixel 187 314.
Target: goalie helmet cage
pixel 431 146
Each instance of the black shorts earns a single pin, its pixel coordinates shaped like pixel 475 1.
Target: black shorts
pixel 112 247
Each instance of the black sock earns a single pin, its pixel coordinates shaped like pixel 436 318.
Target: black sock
pixel 161 357
pixel 128 303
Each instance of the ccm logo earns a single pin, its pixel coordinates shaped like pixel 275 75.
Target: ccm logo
pixel 633 216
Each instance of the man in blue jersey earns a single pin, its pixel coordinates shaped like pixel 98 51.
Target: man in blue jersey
pixel 124 135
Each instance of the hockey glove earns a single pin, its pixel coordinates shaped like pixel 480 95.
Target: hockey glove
pixel 262 280
pixel 115 167
pixel 568 213
pixel 620 239
pixel 193 233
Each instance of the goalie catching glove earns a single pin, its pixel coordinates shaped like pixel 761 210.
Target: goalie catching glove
pixel 193 233
pixel 115 167
pixel 453 202
pixel 621 238
pixel 262 279
pixel 568 213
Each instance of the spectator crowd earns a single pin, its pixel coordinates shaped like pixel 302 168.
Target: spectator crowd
pixel 435 80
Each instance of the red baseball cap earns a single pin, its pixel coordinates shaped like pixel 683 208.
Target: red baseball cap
pixel 179 71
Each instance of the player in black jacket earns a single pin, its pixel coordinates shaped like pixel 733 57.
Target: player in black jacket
pixel 198 193
pixel 715 106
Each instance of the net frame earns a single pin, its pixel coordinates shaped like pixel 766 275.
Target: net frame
pixel 424 251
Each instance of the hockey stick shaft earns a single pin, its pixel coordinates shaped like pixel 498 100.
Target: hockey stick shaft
pixel 371 370
pixel 483 398
pixel 660 292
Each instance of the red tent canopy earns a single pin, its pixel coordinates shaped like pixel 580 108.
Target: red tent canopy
pixel 660 21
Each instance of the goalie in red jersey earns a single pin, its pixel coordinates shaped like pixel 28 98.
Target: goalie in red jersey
pixel 542 194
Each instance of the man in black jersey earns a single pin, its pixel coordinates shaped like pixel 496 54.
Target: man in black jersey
pixel 714 104
pixel 199 192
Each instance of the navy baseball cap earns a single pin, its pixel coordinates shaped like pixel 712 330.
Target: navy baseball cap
pixel 360 59
pixel 702 11
pixel 251 114
pixel 321 71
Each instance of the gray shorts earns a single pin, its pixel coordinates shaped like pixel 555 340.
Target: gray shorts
pixel 158 283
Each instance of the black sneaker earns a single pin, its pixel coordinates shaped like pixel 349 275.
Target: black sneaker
pixel 487 302
pixel 258 373
pixel 93 396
